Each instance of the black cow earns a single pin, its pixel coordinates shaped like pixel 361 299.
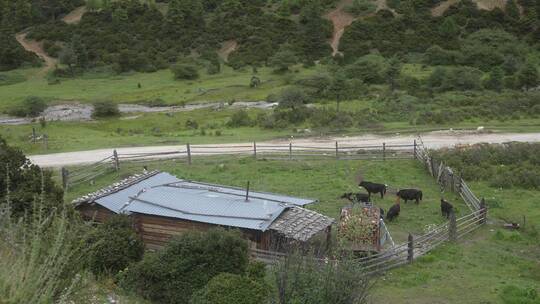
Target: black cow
pixel 381 212
pixel 393 212
pixel 410 194
pixel 356 197
pixel 446 208
pixel 374 188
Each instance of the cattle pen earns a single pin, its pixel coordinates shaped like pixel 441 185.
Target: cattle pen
pixel 399 254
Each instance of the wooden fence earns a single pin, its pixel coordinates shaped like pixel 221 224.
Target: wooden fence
pixel 407 252
pixel 189 153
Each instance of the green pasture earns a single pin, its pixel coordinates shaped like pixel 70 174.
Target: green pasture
pixel 123 88
pixel 324 180
pixel 143 129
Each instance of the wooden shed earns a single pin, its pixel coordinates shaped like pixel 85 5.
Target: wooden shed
pixel 362 229
pixel 163 206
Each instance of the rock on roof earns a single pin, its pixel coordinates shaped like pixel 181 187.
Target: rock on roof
pixel 300 224
pixel 121 185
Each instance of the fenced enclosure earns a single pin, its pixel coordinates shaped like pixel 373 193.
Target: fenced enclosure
pixel 189 153
pixel 399 254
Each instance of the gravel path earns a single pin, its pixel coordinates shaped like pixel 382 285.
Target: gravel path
pixel 434 140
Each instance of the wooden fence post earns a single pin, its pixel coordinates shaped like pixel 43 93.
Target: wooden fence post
pixel 46 141
pixel 255 150
pixel 116 160
pixel 415 149
pixel 34 136
pixel 384 151
pixel 410 249
pixel 290 151
pixel 65 177
pixel 483 213
pixel 188 149
pixel 337 150
pixel 452 227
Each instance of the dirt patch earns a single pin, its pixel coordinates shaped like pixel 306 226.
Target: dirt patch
pixel 36 47
pixel 75 16
pixel 340 18
pixel 481 4
pixel 227 47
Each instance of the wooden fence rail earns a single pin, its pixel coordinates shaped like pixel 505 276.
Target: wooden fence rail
pixel 87 173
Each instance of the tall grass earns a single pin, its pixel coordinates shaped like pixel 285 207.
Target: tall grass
pixel 40 255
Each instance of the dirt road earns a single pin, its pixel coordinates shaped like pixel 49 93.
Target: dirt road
pixel 434 140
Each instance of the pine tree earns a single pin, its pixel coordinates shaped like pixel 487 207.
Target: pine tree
pixel 186 18
pixel 313 32
pixel 495 80
pixel 512 9
pixel 528 77
pixel 449 28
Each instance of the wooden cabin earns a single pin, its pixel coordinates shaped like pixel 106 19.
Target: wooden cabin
pixel 163 206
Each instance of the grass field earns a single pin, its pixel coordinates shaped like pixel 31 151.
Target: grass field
pixel 322 180
pixel 103 85
pixel 170 129
pixel 485 267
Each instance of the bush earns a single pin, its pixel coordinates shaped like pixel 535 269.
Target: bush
pixel 229 288
pixel 192 124
pixel 240 119
pixel 116 245
pixel 31 107
pixel 361 7
pixel 105 109
pixel 186 265
pixel 185 71
pixel 26 183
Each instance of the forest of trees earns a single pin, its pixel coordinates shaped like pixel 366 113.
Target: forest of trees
pixel 147 36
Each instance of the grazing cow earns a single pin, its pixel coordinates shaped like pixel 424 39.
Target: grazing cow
pixel 410 194
pixel 446 208
pixel 374 188
pixel 356 197
pixel 393 212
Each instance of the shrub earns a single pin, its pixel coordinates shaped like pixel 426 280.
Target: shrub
pixel 192 124
pixel 302 279
pixel 361 7
pixel 31 107
pixel 240 119
pixel 105 109
pixel 229 288
pixel 41 255
pixel 116 246
pixel 26 182
pixel 185 71
pixel 186 265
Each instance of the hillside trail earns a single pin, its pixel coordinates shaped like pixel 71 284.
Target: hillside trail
pixel 340 18
pixel 432 140
pixel 481 4
pixel 36 47
pixel 75 16
pixel 227 47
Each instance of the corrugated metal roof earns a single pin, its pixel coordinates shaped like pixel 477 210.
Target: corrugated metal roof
pixel 116 200
pixel 162 194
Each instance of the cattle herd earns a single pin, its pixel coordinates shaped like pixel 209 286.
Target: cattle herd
pixel 405 194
